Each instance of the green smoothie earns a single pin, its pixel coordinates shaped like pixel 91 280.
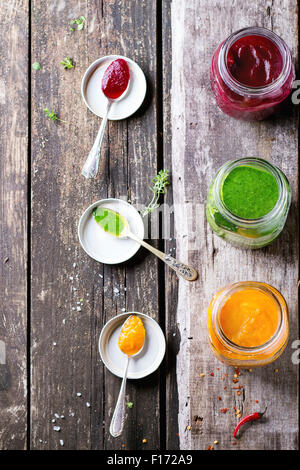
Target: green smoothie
pixel 109 220
pixel 250 192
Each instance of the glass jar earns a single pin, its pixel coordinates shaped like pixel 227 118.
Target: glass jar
pixel 247 233
pixel 248 102
pixel 238 356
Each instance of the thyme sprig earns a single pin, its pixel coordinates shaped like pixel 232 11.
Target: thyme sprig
pixel 51 115
pixel 80 22
pixel 67 63
pixel 160 182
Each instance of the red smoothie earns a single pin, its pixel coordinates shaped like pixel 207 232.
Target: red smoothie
pixel 252 74
pixel 254 61
pixel 115 79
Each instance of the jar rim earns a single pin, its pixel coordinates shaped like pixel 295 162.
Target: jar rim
pixel 225 170
pixel 224 296
pixel 239 87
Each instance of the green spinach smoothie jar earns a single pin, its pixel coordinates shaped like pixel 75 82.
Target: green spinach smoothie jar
pixel 248 202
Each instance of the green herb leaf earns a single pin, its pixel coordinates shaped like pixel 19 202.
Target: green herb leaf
pixel 80 22
pixel 160 182
pixel 67 63
pixel 51 115
pixel 36 66
pixel 130 404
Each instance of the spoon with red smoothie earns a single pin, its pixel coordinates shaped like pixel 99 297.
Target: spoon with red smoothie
pixel 114 85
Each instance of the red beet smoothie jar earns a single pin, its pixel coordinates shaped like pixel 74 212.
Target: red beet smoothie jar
pixel 251 74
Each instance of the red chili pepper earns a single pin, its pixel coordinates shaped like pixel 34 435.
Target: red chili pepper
pixel 246 419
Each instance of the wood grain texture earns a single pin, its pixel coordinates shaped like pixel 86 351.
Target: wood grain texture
pixel 202 139
pixel 178 126
pixel 171 280
pixel 59 196
pixel 13 215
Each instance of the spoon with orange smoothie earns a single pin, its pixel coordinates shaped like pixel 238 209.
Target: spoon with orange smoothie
pixel 131 342
pixel 115 224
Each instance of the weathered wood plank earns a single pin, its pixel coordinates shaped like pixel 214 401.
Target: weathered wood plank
pixel 202 139
pixel 135 26
pixel 171 279
pixel 13 215
pixel 60 194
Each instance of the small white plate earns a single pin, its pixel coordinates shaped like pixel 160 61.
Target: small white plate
pixel 102 246
pixel 95 99
pixel 143 364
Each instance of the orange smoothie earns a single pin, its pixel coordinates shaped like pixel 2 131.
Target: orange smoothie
pixel 248 324
pixel 132 336
pixel 250 317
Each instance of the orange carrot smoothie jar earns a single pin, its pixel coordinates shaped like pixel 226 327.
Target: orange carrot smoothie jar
pixel 248 324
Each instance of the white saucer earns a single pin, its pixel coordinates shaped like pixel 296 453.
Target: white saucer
pixel 102 246
pixel 143 364
pixel 95 99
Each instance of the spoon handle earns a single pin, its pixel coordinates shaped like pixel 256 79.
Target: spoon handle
pixel 187 272
pixel 90 168
pixel 118 419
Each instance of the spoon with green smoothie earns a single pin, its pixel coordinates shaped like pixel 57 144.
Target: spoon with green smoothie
pixel 116 225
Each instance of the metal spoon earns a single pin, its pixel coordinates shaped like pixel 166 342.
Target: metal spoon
pixel 90 167
pixel 181 269
pixel 118 419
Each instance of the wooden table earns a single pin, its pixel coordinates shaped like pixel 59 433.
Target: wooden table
pixel 51 348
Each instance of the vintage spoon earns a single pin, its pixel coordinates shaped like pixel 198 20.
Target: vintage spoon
pixel 181 269
pixel 118 419
pixel 90 168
